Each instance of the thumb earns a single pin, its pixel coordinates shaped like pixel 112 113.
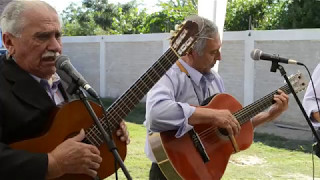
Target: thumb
pixel 79 137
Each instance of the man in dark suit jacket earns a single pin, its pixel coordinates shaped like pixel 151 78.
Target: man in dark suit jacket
pixel 29 90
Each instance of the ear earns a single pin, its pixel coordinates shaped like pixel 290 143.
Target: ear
pixel 193 53
pixel 7 40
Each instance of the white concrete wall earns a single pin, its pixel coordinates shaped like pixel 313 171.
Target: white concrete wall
pixel 111 64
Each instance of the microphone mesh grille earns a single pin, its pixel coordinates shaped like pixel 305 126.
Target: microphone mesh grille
pixel 255 54
pixel 60 60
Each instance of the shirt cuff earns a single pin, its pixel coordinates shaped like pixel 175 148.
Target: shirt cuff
pixel 185 127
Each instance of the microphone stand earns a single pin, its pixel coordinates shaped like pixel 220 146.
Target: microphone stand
pixel 74 89
pixel 275 65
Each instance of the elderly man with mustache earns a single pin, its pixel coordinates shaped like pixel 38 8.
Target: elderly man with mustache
pixel 29 89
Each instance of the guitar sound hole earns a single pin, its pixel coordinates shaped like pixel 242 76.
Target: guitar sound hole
pixel 223 131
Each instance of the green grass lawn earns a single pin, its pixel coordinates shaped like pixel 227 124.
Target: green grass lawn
pixel 269 157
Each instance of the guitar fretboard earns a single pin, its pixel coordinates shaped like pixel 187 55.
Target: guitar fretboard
pixel 258 106
pixel 128 100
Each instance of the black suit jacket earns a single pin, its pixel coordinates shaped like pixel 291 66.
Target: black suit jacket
pixel 25 108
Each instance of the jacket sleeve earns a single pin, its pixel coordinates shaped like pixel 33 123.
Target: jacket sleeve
pixel 19 164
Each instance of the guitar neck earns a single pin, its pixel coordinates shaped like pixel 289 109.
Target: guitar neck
pixel 246 113
pixel 128 100
pixel 181 42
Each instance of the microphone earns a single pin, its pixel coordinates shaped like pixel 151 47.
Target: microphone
pixel 257 54
pixel 63 63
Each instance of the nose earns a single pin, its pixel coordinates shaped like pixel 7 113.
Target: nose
pixel 54 44
pixel 218 56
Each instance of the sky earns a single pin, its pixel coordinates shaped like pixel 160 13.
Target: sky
pixel 60 5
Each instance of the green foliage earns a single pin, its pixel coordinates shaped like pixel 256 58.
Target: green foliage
pixel 301 14
pixel 78 22
pixel 97 17
pixel 128 19
pixel 253 14
pixel 272 14
pixel 173 12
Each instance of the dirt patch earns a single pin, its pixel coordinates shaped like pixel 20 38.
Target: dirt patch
pixel 246 160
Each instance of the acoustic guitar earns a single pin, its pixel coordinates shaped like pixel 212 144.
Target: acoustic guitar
pixel 72 117
pixel 204 152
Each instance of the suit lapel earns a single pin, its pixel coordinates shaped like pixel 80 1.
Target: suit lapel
pixel 25 87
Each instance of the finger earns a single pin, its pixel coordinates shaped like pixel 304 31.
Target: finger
pixel 94 165
pixel 119 132
pixel 91 172
pixel 235 128
pixel 96 158
pixel 123 126
pixel 79 137
pixel 230 130
pixel 236 122
pixel 123 138
pixel 285 97
pixel 280 91
pixel 278 103
pixel 93 149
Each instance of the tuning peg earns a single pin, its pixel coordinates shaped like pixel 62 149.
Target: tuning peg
pixel 173 33
pixel 177 27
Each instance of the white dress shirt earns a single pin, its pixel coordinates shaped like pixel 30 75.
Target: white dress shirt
pixel 309 100
pixel 171 101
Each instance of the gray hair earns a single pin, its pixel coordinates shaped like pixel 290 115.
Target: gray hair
pixel 207 29
pixel 11 19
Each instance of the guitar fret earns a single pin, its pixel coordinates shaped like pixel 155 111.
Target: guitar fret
pixel 123 105
pixel 258 106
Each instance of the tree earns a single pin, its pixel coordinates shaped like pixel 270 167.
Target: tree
pixel 96 17
pixel 253 14
pixel 173 12
pixel 301 14
pixel 78 22
pixel 129 20
pixel 272 14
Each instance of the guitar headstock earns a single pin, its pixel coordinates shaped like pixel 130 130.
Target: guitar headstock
pixel 298 82
pixel 184 37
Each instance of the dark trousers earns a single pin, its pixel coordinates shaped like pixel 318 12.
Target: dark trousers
pixel 315 147
pixel 155 173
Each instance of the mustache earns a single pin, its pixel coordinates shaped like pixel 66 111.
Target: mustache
pixel 50 54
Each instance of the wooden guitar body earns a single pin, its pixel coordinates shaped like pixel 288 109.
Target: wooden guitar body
pixel 72 117
pixel 178 157
pixel 67 122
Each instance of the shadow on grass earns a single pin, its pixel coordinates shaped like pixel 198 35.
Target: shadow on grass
pixel 280 142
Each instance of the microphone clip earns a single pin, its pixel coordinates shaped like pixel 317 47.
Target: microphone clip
pixel 274 66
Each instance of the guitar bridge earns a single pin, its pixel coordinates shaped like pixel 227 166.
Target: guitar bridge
pixel 199 146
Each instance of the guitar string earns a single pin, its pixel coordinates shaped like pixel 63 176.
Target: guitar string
pixel 93 132
pixel 112 119
pixel 264 101
pixel 94 129
pixel 208 130
pixel 253 108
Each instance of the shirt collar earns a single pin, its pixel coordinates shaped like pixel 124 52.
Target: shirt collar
pixel 195 75
pixel 53 81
